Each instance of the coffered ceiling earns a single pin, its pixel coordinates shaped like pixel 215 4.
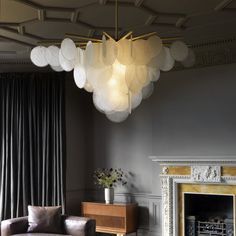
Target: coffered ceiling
pixel 23 23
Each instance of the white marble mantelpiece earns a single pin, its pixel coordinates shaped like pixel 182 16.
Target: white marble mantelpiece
pixel 201 170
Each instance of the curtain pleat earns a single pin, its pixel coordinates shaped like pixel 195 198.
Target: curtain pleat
pixel 32 145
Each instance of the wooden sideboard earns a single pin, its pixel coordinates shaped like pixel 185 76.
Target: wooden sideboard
pixel 117 219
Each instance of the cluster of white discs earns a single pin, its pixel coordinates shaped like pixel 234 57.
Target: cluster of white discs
pixel 119 74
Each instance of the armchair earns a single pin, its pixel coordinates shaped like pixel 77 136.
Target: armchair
pixel 72 226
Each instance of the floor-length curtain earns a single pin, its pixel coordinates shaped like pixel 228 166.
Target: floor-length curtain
pixel 32 142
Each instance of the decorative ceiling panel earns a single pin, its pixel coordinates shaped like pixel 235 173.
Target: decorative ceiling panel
pixel 64 3
pixel 16 12
pixel 58 15
pixel 50 30
pixel 215 18
pixel 26 22
pixel 182 6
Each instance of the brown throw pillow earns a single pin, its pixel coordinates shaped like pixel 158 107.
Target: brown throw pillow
pixel 44 219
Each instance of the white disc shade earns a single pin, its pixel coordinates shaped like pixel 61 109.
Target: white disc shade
pixel 67 65
pixel 155 45
pixel 179 50
pixel 80 59
pixel 38 56
pixel 118 101
pixel 130 77
pixel 93 55
pixel 68 49
pixel 125 52
pixel 117 79
pixel 142 75
pixel 139 52
pixel 96 101
pixel 88 87
pixel 101 102
pixel 97 56
pixel 136 99
pixel 118 116
pixel 52 56
pixel 190 60
pixel 109 52
pixel 57 68
pixel 89 54
pixel 153 74
pixel 80 76
pixel 167 62
pixel 110 100
pixel 147 91
pixel 98 78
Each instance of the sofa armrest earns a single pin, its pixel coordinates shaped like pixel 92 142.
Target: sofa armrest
pixel 14 226
pixel 79 226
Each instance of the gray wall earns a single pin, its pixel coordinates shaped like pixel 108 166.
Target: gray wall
pixel 195 112
pixel 78 125
pixel 192 112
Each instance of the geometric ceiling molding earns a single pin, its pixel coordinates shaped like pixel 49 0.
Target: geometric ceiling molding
pixel 222 5
pixel 51 20
pixel 152 18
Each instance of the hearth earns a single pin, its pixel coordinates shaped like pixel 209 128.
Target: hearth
pixel 198 196
pixel 208 214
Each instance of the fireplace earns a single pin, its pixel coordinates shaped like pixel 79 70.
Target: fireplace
pixel 198 196
pixel 208 214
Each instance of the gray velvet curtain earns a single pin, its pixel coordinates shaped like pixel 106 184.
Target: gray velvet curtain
pixel 32 142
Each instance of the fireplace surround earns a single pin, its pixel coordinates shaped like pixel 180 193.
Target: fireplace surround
pixel 206 176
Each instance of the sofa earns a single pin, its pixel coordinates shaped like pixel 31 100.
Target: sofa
pixel 71 226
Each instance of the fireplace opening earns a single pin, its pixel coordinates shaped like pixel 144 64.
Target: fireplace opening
pixel 208 214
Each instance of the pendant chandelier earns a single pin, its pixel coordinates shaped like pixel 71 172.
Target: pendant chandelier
pixel 120 72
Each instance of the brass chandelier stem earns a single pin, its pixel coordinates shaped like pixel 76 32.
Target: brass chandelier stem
pixel 107 35
pixel 127 35
pixel 116 20
pixel 144 36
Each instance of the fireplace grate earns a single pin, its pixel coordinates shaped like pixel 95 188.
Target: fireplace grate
pixel 212 228
pixel 207 228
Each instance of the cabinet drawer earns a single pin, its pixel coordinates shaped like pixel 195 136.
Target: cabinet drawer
pixel 108 221
pixel 106 210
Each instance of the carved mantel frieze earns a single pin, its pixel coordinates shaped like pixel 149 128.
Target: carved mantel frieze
pixel 210 174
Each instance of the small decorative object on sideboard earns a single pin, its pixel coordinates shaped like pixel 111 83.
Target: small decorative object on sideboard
pixel 108 179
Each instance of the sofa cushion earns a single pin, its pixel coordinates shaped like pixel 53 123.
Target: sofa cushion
pixel 44 220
